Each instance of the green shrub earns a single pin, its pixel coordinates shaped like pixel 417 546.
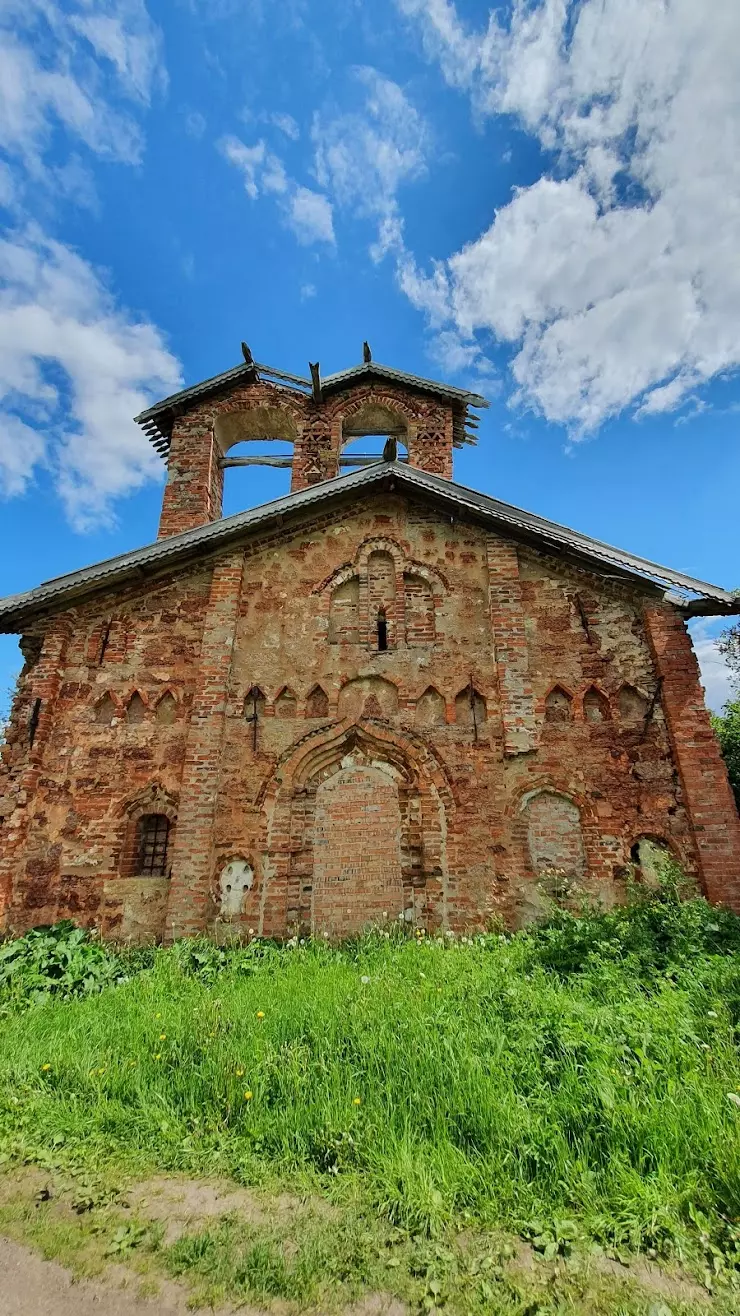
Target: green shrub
pixel 62 960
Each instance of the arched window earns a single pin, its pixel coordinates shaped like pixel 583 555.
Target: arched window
pixel 558 706
pixel 257 443
pixel 382 626
pixel 366 431
pixel 152 843
pixel 649 855
pixel 595 706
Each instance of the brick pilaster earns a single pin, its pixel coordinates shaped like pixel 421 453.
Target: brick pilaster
pixel 194 491
pixel 192 855
pixel 709 801
pixel 510 645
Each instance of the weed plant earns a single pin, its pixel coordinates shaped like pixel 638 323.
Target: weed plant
pixel 581 1078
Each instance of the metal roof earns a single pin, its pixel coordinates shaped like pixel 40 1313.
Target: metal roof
pixel 157 419
pixel 454 499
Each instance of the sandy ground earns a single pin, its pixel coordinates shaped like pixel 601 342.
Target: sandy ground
pixel 30 1286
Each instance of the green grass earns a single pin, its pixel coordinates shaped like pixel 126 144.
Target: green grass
pixel 570 1082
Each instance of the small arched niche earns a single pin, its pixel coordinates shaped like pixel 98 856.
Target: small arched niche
pixel 430 709
pixel 596 706
pixel 317 703
pixel 286 703
pixel 136 710
pixel 166 712
pixel 558 706
pixel 470 708
pixel 632 705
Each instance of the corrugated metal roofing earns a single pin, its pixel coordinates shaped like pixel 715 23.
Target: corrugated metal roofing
pixel 157 419
pixel 455 499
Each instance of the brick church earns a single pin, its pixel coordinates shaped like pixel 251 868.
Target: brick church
pixel 381 696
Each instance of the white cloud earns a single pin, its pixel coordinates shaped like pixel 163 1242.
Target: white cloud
pixel 195 124
pixel 308 290
pixel 310 216
pixel 78 71
pixel 74 370
pixel 364 157
pixel 287 125
pixel 617 281
pixel 715 674
pixel 307 213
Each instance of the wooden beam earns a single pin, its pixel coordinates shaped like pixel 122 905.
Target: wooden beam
pixel 315 380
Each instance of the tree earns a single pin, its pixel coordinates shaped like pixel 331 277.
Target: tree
pixel 727 727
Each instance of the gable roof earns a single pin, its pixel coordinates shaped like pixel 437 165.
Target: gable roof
pixel 158 419
pixel 694 597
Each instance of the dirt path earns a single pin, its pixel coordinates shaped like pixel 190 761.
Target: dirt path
pixel 30 1286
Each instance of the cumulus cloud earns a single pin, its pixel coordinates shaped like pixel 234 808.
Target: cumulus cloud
pixel 307 213
pixel 310 216
pixel 82 69
pixel 74 370
pixel 615 276
pixel 364 157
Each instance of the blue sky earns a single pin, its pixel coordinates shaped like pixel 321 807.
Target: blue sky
pixel 539 200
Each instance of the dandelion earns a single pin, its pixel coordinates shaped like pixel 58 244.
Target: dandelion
pixel 158 1055
pixel 240 1073
pixel 734 1098
pixel 45 1069
pixel 247 1095
pixel 357 1101
pixel 162 1036
pixel 711 1014
pixel 364 979
pixel 157 1016
pixel 260 1014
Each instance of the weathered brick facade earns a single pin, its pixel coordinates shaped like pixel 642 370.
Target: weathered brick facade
pixel 356 708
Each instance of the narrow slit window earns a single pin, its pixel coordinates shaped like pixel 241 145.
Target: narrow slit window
pixel 382 631
pixel 153 842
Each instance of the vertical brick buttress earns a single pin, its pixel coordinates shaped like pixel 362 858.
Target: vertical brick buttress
pixel 44 686
pixel 708 798
pixel 192 855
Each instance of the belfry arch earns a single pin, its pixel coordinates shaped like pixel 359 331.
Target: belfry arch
pixel 357 833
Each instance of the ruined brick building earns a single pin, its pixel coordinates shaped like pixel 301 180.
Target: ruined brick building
pixel 383 695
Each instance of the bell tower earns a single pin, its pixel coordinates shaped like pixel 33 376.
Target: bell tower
pixel 421 420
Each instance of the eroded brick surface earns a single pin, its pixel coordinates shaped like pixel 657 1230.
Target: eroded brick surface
pixel 379 712
pixel 429 779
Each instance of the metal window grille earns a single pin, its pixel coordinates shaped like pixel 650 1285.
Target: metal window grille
pixel 154 833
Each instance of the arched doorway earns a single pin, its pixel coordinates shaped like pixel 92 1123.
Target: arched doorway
pixel 357 878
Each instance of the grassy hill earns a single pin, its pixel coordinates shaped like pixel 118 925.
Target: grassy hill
pixel 572 1090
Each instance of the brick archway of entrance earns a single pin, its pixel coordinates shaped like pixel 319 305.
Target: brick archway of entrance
pixel 358 828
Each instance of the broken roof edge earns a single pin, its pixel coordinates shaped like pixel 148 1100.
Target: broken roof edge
pixel 148 418
pixel 525 527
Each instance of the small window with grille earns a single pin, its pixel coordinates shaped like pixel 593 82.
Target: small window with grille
pixel 152 838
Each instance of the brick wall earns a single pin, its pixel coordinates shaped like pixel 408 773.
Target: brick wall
pixel 454 715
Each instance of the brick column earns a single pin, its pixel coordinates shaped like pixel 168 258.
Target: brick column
pixel 42 682
pixel 707 796
pixel 510 646
pixel 195 480
pixel 192 855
